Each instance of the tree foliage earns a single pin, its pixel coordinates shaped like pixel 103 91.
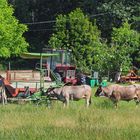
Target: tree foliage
pixel 118 55
pixel 75 32
pixel 115 13
pixel 12 42
pixel 126 42
pixel 120 42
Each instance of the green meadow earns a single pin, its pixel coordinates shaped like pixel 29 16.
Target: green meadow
pixel 101 121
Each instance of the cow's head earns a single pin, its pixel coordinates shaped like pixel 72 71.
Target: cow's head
pixel 100 92
pixel 53 91
pixel 50 91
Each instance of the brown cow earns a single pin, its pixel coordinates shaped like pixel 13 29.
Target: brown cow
pixel 67 93
pixel 118 92
pixel 3 96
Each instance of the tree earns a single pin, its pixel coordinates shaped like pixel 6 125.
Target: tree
pixel 119 54
pixel 30 11
pixel 74 31
pixel 126 42
pixel 12 42
pixel 115 13
pixel 108 14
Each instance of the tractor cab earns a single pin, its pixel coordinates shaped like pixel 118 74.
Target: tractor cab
pixel 61 65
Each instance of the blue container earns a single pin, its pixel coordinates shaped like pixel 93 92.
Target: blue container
pixel 92 83
pixel 104 83
pixel 97 82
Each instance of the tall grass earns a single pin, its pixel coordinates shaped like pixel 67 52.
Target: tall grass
pixel 101 121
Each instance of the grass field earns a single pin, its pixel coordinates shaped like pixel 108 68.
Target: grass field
pixel 100 121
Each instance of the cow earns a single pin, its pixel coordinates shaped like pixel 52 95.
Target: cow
pixel 118 92
pixel 3 96
pixel 67 93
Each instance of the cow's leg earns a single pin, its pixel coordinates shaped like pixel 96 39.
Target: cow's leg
pixel 66 102
pixel 2 100
pixel 5 99
pixel 116 104
pixel 1 96
pixel 71 97
pixel 4 96
pixel 115 97
pixel 88 98
pixel 87 102
pixel 137 102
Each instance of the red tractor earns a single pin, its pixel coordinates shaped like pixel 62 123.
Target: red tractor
pixel 61 66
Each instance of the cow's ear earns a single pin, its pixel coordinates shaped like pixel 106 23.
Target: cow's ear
pixel 50 89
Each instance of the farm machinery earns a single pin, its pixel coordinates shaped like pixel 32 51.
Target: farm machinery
pixel 28 85
pixel 53 70
pixel 61 66
pixel 130 77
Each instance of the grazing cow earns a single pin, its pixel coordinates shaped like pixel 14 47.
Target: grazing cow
pixel 67 93
pixel 3 97
pixel 117 92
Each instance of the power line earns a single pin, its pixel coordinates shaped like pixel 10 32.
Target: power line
pixel 38 30
pixel 53 21
pixel 99 14
pixel 42 22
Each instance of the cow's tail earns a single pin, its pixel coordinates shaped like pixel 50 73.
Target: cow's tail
pixel 90 100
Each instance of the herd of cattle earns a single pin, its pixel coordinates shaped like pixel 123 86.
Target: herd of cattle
pixel 114 92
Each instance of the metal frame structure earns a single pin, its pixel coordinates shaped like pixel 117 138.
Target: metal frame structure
pixel 38 56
